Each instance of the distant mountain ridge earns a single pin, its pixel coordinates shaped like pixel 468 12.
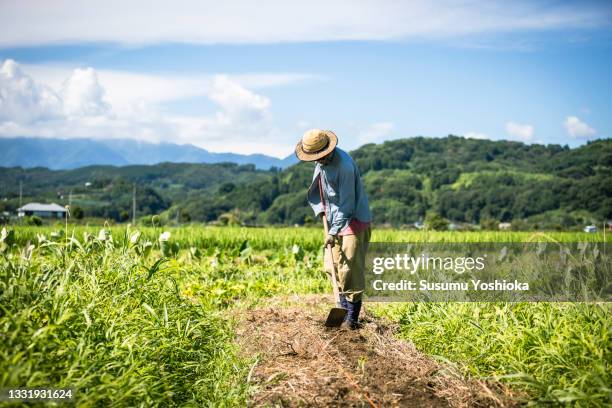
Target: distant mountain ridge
pixel 62 154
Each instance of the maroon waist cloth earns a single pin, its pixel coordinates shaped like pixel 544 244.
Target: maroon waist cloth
pixel 355 227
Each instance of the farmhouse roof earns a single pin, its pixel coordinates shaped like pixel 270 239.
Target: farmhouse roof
pixel 42 207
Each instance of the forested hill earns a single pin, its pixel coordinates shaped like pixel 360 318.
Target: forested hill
pixel 463 180
pixel 468 180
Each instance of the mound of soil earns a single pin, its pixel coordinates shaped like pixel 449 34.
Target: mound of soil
pixel 300 362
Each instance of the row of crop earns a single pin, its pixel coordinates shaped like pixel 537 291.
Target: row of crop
pixel 307 238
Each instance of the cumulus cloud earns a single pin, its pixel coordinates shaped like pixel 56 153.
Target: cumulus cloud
pixel 24 100
pixel 577 128
pixel 520 131
pixel 242 124
pixel 126 89
pixel 238 102
pixel 272 21
pixel 80 107
pixel 83 95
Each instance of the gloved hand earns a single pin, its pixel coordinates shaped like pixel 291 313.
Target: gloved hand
pixel 330 240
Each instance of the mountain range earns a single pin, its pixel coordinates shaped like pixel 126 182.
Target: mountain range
pixel 62 154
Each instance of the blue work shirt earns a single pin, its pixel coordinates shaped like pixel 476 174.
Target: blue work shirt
pixel 343 192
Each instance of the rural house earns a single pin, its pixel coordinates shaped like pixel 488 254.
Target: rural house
pixel 42 210
pixel 504 226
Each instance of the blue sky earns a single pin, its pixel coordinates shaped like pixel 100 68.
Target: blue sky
pixel 244 79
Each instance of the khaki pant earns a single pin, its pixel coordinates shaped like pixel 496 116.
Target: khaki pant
pixel 349 256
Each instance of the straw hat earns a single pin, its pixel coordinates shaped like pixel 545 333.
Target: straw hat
pixel 316 143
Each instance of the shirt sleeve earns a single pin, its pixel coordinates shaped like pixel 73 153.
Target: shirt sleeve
pixel 314 197
pixel 346 203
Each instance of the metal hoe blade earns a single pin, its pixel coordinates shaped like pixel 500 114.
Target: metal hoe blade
pixel 335 317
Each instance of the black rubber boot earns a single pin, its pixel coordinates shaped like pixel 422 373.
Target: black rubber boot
pixel 353 314
pixel 343 302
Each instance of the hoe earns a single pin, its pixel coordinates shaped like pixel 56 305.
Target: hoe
pixel 336 314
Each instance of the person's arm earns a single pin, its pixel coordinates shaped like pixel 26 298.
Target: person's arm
pixel 346 204
pixel 314 196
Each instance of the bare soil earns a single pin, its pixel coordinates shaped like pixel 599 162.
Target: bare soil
pixel 300 362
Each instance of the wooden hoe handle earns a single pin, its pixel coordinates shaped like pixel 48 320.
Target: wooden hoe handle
pixel 331 257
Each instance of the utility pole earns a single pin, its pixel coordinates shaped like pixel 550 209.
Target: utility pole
pixel 605 228
pixel 70 199
pixel 20 201
pixel 134 205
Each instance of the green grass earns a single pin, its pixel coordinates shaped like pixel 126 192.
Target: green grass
pixel 133 321
pixel 556 352
pixel 113 325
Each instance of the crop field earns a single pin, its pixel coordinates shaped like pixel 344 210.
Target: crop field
pixel 131 316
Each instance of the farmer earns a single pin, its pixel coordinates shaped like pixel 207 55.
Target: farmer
pixel 337 193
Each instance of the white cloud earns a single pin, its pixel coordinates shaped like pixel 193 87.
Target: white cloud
pixel 83 95
pixel 24 100
pixel 83 107
pixel 520 131
pixel 125 89
pixel 576 128
pixel 243 124
pixel 271 21
pixel 238 102
pixel 375 133
pixel 476 135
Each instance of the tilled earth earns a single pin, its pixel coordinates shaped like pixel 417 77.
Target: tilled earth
pixel 300 362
